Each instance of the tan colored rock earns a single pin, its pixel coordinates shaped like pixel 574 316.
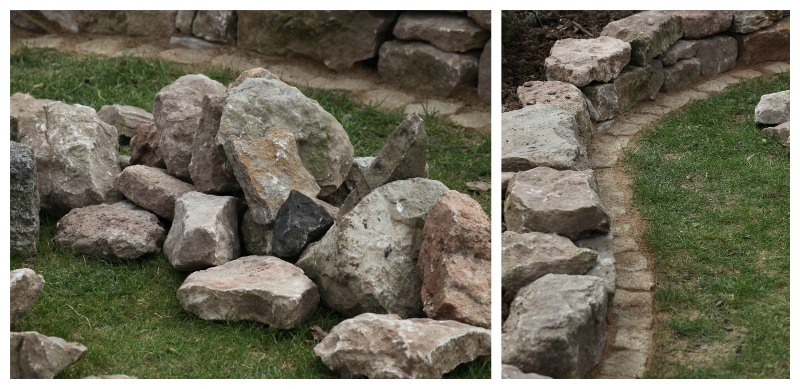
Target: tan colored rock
pixel 773 108
pixel 151 188
pixel 447 31
pixel 563 95
pixel 649 33
pixel 144 148
pixel 700 24
pixel 34 355
pixel 582 61
pixel 513 372
pixel 25 287
pixel 541 135
pixel 26 111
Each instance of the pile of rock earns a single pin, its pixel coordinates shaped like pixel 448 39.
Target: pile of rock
pixel 238 201
pixel 772 113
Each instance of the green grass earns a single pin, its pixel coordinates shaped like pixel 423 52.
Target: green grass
pixel 127 314
pixel 716 195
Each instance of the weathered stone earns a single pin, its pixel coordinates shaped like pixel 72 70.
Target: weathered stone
pixel 513 372
pixel 527 257
pixel 405 155
pixel 748 21
pixel 123 161
pixel 773 108
pixel 24 208
pixel 26 112
pixel 557 326
pixel 34 355
pixel 603 102
pixel 76 156
pixel 551 201
pixel 649 33
pixel 700 24
pixel 177 110
pixel 208 165
pixel 483 18
pixel 184 20
pixel 252 73
pixel 125 118
pixel 110 232
pixel 205 232
pixel 355 175
pixel 717 55
pixel 144 148
pixel 682 49
pixel 638 83
pixel 447 31
pixel 300 221
pixel 505 178
pixel 267 170
pixel 541 135
pixel 455 261
pixel 563 95
pixel 386 346
pixel 151 188
pixel 318 35
pixel 258 288
pixel 132 23
pixel 780 132
pixel 215 26
pixel 423 67
pixel 681 75
pixel 260 104
pixel 25 287
pixel 485 74
pixel 581 61
pixel 606 266
pixel 367 260
pixel 257 238
pixel 769 44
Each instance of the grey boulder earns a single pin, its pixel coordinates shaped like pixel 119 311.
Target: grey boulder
pixel 34 355
pixel 151 188
pixel 541 135
pixel 25 287
pixel 773 108
pixel 24 208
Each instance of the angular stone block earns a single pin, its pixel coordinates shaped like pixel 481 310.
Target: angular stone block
pixel 582 61
pixel 422 66
pixel 649 33
pixel 447 31
pixel 541 135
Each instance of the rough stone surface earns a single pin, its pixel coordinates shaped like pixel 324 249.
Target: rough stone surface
pixel 483 18
pixel 25 287
pixel 24 206
pixel 208 164
pixel 528 257
pixel 541 135
pixel 151 188
pixel 682 49
pixel 251 73
pixel 318 35
pixel 581 61
pixel 34 355
pixel 681 75
pixel 649 33
pixel 215 26
pixel 183 21
pixel 773 108
pixel 299 221
pixel 513 372
pixel 267 170
pixel 258 288
pixel 563 95
pixel 455 261
pixel 636 83
pixel 144 148
pixel 769 44
pixel 205 232
pixel 110 231
pixel 551 201
pixel 257 238
pixel 606 266
pixel 780 132
pixel 485 74
pixel 424 67
pixel 748 21
pixel 405 155
pixel 176 111
pixel 717 54
pixel 557 326
pixel 76 156
pixel 603 102
pixel 354 176
pixel 700 24
pixel 260 104
pixel 386 346
pixel 26 112
pixel 367 260
pixel 447 31
pixel 125 118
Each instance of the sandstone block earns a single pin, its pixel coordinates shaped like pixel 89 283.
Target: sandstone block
pixel 563 95
pixel 748 21
pixel 215 26
pixel 207 168
pixel 773 108
pixel 422 66
pixel 638 83
pixel 151 188
pixel 649 33
pixel 541 135
pixel 25 287
pixel 717 54
pixel 603 101
pixel 700 24
pixel 447 31
pixel 681 75
pixel 581 61
pixel 769 44
pixel 126 119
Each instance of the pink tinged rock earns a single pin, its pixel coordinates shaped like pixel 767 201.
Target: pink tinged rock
pixel 144 148
pixel 582 61
pixel 386 346
pixel 208 167
pixel 110 231
pixel 749 21
pixel 681 75
pixel 151 188
pixel 717 54
pixel 447 31
pixel 205 232
pixel 367 262
pixel 563 95
pixel 700 24
pixel 25 287
pixel 551 201
pixel 541 135
pixel 126 119
pixel 637 83
pixel 176 111
pixel 557 326
pixel 682 49
pixel 769 44
pixel 426 68
pixel 773 108
pixel 650 33
pixel 258 288
pixel 455 261
pixel 34 355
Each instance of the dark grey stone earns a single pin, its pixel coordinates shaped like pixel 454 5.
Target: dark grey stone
pixel 300 221
pixel 24 201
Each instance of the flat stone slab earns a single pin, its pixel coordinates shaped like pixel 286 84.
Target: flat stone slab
pixel 447 31
pixel 700 24
pixel 541 135
pixel 717 54
pixel 745 22
pixel 773 108
pixel 649 33
pixel 562 95
pixel 581 61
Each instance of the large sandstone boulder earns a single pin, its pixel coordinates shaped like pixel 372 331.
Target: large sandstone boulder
pixel 447 31
pixel 205 231
pixel 25 287
pixel 215 26
pixel 110 231
pixel 650 33
pixel 422 66
pixel 386 346
pixel 177 111
pixel 455 261
pixel 716 54
pixel 557 326
pixel 34 355
pixel 582 61
pixel 541 135
pixel 299 221
pixel 24 206
pixel 551 201
pixel 76 156
pixel 126 119
pixel 208 165
pixel 700 24
pixel 773 108
pixel 258 288
pixel 336 38
pixel 144 148
pixel 563 95
pixel 637 83
pixel 259 104
pixel 367 260
pixel 151 188
pixel 749 21
pixel 769 44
